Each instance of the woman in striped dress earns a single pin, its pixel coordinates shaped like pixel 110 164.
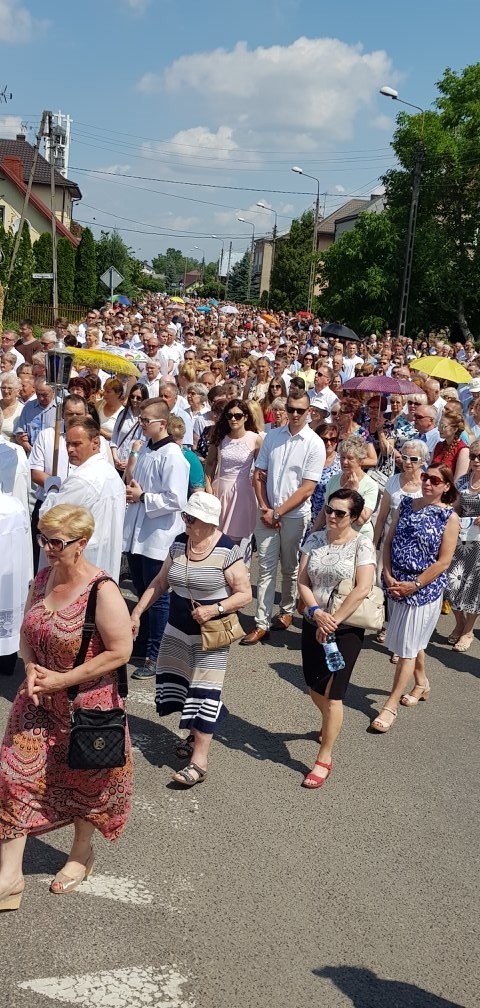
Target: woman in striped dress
pixel 208 579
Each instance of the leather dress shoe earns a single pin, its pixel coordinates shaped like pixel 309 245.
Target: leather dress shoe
pixel 282 621
pixel 255 636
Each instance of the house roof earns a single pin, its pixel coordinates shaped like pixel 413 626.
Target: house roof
pixel 353 207
pixel 8 171
pixel 21 149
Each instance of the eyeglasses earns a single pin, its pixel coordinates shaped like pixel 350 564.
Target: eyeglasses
pixel 145 421
pixel 234 416
pixel 410 458
pixel 336 511
pixel 420 416
pixel 55 544
pixel 188 519
pixel 434 480
pixel 474 457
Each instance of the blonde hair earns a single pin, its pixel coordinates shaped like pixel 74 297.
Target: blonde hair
pixel 68 520
pixel 176 427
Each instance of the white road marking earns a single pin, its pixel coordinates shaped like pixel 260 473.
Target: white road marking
pixel 159 987
pixel 120 888
pixel 142 696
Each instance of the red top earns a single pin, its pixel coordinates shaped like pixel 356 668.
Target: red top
pixel 445 454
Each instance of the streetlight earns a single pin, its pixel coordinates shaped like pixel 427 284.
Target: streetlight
pixel 274 242
pixel 312 277
pixel 389 92
pixel 203 259
pixel 185 273
pixel 252 248
pixel 220 261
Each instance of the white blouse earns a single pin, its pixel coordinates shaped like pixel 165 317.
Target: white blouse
pixel 329 564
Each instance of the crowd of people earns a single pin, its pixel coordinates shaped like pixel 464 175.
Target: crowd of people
pixel 239 433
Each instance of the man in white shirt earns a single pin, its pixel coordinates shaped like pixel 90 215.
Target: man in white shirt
pixel 156 495
pixel 96 485
pixel 152 378
pixel 287 470
pixel 350 360
pixel 168 391
pixel 323 377
pixel 14 470
pixel 432 392
pixel 425 424
pixel 7 345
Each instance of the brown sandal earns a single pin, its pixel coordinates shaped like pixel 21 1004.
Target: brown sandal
pixel 186 778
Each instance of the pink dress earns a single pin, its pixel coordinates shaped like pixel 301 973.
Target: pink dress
pixel 38 791
pixel 233 486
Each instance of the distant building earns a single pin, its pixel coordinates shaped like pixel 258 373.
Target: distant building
pixel 16 158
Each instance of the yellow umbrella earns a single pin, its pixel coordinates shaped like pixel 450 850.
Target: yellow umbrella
pixel 115 363
pixel 178 300
pixel 442 367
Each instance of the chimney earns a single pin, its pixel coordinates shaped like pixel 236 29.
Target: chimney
pixel 14 165
pixel 20 136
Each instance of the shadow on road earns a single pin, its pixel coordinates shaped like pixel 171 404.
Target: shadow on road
pixel 454 660
pixel 41 858
pixel 155 741
pixel 260 743
pixel 366 990
pixel 358 697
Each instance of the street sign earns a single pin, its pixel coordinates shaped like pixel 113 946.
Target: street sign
pixel 111 278
pixel 42 276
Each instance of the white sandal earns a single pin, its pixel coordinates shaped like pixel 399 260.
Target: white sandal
pixel 377 725
pixel 409 700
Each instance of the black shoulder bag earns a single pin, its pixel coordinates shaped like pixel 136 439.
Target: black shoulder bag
pixel 97 737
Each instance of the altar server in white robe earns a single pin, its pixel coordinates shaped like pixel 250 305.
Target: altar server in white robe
pixel 96 485
pixel 15 573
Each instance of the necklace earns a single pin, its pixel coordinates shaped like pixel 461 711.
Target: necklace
pixel 203 549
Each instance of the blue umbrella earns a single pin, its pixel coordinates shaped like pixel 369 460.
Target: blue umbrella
pixel 121 299
pixel 204 308
pixel 213 301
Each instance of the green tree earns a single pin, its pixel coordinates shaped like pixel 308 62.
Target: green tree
pixel 111 250
pixel 42 251
pixel 238 280
pixel 445 286
pixel 173 264
pixel 85 269
pixel 19 290
pixel 65 271
pixel 291 268
pixel 359 275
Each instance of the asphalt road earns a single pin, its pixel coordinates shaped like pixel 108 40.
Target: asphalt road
pixel 250 891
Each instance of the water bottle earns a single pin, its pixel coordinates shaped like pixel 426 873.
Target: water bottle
pixel 333 657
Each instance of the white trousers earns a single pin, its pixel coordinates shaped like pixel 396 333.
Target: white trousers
pixel 276 546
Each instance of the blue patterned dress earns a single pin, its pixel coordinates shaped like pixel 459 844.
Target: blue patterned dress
pixel 415 546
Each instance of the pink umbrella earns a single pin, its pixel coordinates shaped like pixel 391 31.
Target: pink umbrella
pixel 381 384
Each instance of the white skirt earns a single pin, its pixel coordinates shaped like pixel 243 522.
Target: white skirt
pixel 409 627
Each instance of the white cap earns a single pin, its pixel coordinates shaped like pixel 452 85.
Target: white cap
pixel 318 402
pixel 204 506
pixel 474 386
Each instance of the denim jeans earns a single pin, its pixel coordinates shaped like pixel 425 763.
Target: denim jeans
pixel 153 622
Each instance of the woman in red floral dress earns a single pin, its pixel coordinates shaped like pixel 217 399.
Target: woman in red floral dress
pixel 38 790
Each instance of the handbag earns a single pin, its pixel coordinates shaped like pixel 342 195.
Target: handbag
pixel 217 633
pixel 370 614
pixel 97 737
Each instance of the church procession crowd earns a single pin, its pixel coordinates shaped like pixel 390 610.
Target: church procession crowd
pixel 350 466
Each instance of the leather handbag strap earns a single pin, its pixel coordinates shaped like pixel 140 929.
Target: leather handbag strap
pixel 88 631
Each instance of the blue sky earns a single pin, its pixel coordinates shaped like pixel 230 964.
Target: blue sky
pixel 223 95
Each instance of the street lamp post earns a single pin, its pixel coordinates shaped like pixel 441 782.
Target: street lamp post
pixel 252 249
pixel 274 242
pixel 389 92
pixel 197 247
pixel 220 261
pixel 313 272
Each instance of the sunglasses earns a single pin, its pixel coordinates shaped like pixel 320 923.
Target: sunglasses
pixel 474 457
pixel 145 421
pixel 297 410
pixel 411 458
pixel 336 511
pixel 136 398
pixel 235 416
pixel 55 544
pixel 434 480
pixel 188 519
pixel 333 439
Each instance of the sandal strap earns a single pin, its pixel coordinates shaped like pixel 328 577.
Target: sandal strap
pixel 328 766
pixel 390 711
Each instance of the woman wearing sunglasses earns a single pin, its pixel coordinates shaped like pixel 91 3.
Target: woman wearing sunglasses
pixel 418 551
pixel 127 427
pixel 307 370
pixel 276 389
pixel 463 591
pixel 234 446
pixel 38 790
pixel 327 557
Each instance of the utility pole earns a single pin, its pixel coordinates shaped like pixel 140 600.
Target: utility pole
pixel 228 270
pixel 54 218
pixel 412 221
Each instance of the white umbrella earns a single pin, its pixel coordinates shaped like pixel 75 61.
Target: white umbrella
pixel 229 309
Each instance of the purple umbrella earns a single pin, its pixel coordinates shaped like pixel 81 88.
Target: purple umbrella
pixel 381 384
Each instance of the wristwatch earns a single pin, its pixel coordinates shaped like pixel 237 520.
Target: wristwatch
pixel 417 584
pixel 276 516
pixel 220 608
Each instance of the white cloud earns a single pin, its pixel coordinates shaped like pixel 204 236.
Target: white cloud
pixel 198 140
pixel 340 189
pixel 311 89
pixel 176 222
pixel 113 169
pixel 10 126
pixel 382 122
pixel 16 22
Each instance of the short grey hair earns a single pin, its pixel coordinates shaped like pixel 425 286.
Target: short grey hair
pixel 475 445
pixel 10 378
pixel 419 447
pixel 168 384
pixel 279 403
pixel 354 445
pixel 50 334
pixel 198 389
pixel 419 398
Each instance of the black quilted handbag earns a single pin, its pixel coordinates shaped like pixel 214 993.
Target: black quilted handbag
pixel 97 737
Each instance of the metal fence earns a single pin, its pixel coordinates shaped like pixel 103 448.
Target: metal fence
pixel 44 315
